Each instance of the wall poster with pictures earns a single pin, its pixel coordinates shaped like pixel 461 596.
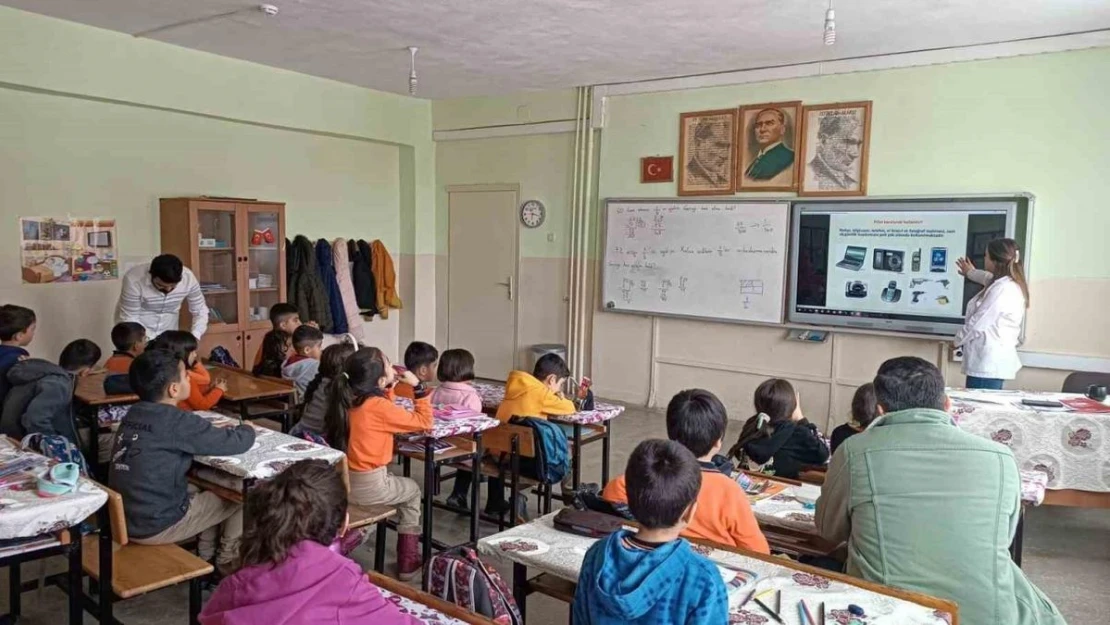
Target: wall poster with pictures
pixel 706 153
pixel 835 143
pixel 767 147
pixel 67 250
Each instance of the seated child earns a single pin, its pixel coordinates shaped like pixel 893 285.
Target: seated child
pixel 778 439
pixel 129 339
pixel 277 347
pixel 653 576
pixel 290 573
pixel 420 358
pixel 17 330
pixel 204 393
pixel 361 421
pixel 696 419
pixel 316 395
pixel 302 366
pixel 455 373
pixel 864 410
pixel 40 400
pixel 154 449
pixel 285 317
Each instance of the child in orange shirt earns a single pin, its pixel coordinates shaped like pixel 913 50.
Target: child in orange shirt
pixel 420 359
pixel 204 393
pixel 697 420
pixel 129 339
pixel 361 421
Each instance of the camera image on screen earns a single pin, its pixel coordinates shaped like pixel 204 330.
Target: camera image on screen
pixel 888 260
pixel 855 289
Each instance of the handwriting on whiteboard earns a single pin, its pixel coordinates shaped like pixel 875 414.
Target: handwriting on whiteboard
pixel 636 226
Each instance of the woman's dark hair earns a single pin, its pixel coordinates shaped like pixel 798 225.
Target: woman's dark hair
pixel 274 347
pixel 167 268
pixel 456 365
pixel 179 342
pixel 358 382
pixel 331 365
pixel 864 405
pixel 775 398
pixel 307 501
pixel 1007 262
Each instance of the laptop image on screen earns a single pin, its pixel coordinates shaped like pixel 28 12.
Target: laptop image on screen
pixel 853 258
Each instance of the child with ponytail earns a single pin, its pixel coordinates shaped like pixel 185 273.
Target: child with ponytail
pixel 778 438
pixel 291 572
pixel 361 421
pixel 317 394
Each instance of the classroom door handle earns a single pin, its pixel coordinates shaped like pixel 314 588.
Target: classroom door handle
pixel 508 284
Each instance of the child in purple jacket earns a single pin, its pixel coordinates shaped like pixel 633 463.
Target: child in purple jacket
pixel 291 574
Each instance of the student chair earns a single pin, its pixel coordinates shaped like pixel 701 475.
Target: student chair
pixel 507 444
pixel 134 569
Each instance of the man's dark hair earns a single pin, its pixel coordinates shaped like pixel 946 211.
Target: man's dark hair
pixel 126 334
pixel 280 312
pixel 152 372
pixel 550 364
pixel 456 365
pixel 697 419
pixel 13 320
pixel 909 382
pixel 79 354
pixel 662 478
pixel 180 343
pixel 306 336
pixel 419 353
pixel 167 268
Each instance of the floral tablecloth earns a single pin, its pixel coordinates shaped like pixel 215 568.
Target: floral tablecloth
pixel 539 545
pixel 445 428
pixel 271 453
pixel 419 611
pixel 24 514
pixel 493 394
pixel 1070 447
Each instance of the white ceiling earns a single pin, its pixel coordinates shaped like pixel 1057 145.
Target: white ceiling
pixel 485 47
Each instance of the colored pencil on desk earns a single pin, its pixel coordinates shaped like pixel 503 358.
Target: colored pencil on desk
pixel 769 611
pixel 802 616
pixel 805 608
pixel 778 601
pixel 821 609
pixel 748 597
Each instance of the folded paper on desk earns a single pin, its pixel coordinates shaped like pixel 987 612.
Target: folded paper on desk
pixel 450 412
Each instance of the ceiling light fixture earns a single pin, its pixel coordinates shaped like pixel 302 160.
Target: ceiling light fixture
pixel 412 70
pixel 830 25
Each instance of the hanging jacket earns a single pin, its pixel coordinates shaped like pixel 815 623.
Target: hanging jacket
pixel 381 264
pixel 305 289
pixel 39 401
pixel 347 288
pixel 366 292
pixel 325 266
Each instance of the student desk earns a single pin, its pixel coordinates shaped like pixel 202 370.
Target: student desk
pixel 99 412
pixel 1070 447
pixel 423 607
pixel 245 389
pixel 558 556
pixel 597 422
pixel 50 527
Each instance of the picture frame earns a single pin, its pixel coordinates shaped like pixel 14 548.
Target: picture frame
pixel 706 153
pixel 836 141
pixel 767 142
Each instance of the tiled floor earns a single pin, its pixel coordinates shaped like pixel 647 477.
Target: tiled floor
pixel 1067 553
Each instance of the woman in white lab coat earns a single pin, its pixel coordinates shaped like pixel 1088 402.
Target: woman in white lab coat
pixel 992 329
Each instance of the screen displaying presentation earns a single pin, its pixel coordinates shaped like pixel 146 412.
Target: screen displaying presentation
pixel 890 267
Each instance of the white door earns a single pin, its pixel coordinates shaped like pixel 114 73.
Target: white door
pixel 482 263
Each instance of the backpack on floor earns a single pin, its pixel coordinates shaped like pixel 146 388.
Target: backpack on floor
pixel 458 576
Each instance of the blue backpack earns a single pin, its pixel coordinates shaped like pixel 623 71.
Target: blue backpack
pixel 552 450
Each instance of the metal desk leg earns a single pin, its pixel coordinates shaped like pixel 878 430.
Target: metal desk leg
pixel 606 445
pixel 576 480
pixel 520 589
pixel 1019 534
pixel 76 593
pixel 475 485
pixel 196 602
pixel 379 546
pixel 15 592
pixel 244 414
pixel 106 567
pixel 429 503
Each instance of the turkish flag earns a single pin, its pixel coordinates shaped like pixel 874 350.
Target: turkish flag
pixel 657 169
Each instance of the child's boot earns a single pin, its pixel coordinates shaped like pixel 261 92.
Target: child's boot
pixel 409 561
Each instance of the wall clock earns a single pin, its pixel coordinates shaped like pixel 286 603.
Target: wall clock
pixel 532 213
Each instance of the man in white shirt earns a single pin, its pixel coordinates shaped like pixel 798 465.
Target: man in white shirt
pixel 153 292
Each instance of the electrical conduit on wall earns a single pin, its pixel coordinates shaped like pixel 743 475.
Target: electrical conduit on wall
pixel 581 216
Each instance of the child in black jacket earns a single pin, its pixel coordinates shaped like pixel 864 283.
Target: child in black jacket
pixel 778 438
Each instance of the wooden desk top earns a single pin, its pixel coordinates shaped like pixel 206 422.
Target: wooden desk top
pixel 423 607
pixel 242 386
pixel 90 391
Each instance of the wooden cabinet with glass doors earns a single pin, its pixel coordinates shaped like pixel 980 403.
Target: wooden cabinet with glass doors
pixel 236 249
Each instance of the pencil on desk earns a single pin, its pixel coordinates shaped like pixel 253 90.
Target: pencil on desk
pixel 821 609
pixel 769 611
pixel 802 616
pixel 805 609
pixel 747 597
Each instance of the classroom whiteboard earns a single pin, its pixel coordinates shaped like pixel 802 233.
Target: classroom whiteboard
pixel 714 259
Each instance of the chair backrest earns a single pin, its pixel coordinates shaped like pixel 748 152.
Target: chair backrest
pixel 500 440
pixel 1078 381
pixel 116 516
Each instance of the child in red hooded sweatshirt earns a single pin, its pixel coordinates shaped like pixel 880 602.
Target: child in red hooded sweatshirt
pixel 292 572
